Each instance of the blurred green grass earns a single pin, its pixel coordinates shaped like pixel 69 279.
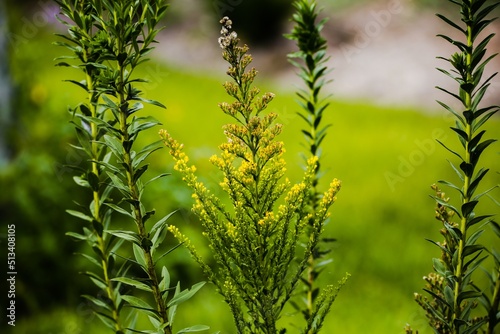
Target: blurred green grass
pixel 381 228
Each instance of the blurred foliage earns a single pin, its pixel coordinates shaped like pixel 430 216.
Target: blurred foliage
pixel 33 188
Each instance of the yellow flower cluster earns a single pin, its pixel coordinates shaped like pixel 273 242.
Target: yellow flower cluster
pixel 295 193
pixel 268 219
pixel 178 235
pixel 231 230
pixel 329 197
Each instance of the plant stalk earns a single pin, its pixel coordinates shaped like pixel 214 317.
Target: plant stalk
pixel 135 197
pixel 101 244
pixel 467 180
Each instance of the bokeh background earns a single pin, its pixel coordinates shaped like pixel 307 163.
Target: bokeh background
pixel 381 145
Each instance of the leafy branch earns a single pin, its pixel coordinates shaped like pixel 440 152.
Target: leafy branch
pixel 311 61
pixel 453 292
pixel 118 36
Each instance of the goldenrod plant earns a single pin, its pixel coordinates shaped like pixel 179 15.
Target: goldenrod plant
pixel 109 40
pixel 255 238
pixel 454 299
pixel 311 61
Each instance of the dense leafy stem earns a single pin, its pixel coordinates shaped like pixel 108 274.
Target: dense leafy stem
pixel 109 40
pixel 311 61
pixel 453 294
pixel 84 42
pixel 254 241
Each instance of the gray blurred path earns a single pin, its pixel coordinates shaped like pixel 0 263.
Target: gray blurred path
pixel 384 53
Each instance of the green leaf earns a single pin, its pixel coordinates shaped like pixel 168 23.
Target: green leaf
pixel 169 251
pixel 436 296
pixel 474 328
pixel 154 321
pixel 107 320
pixel 186 294
pixel 475 182
pixel 153 102
pixel 81 182
pixel 196 328
pixel 143 154
pixel 114 145
pixel 162 222
pixel 81 84
pixel 91 259
pixel 140 304
pixel 471 249
pixel 93 180
pixel 460 118
pixel 84 139
pixel 126 235
pixel 468 208
pixel 118 184
pixel 477 138
pixel 451 185
pixel 451 23
pixel 444 249
pixel 120 210
pixel 80 215
pixel 473 238
pixel 439 266
pixel 133 282
pixel 450 150
pixel 483 120
pixel 148 215
pixel 449 295
pixel 141 170
pixel 476 220
pixel 446 205
pixel 99 283
pixel 172 310
pixel 478 150
pixel 461 133
pixel 156 178
pixel 496 227
pixel 98 302
pixel 141 124
pixel 109 103
pixel 98 228
pixel 165 281
pixel 139 256
pixel 157 239
pixel 467 168
pixel 457 171
pixel 77 236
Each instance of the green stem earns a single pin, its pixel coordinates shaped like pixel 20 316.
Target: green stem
pixel 315 193
pixel 101 243
pixel 135 197
pixel 457 312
